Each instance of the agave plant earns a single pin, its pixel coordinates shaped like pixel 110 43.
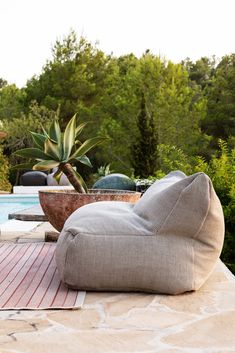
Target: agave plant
pixel 54 149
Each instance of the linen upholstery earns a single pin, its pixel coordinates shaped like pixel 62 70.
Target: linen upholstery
pixel 168 242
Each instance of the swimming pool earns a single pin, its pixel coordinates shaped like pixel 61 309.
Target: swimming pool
pixel 15 203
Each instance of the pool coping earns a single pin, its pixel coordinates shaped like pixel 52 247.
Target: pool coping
pixel 18 196
pixel 34 213
pixel 24 190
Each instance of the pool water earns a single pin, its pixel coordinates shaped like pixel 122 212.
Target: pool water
pixel 15 203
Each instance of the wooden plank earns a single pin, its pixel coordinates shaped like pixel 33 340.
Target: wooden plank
pixel 29 279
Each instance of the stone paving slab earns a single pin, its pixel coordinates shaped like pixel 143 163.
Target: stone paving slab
pixel 20 231
pixel 195 322
pixel 13 229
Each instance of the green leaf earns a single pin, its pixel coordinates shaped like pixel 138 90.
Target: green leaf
pixel 38 139
pixel 23 166
pixel 80 128
pixel 55 132
pixel 87 146
pixel 57 175
pixel 46 165
pixel 84 160
pixel 77 142
pixel 53 149
pixel 32 153
pixel 45 133
pixel 47 136
pixel 81 181
pixel 69 137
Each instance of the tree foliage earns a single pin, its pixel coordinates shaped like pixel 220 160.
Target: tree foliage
pixel 220 118
pixel 11 101
pixel 144 152
pixel 4 172
pixel 18 129
pixel 73 79
pixel 2 82
pixel 202 71
pixel 192 104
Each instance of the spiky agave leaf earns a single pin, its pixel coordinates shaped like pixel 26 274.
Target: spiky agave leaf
pixel 77 132
pixel 57 175
pixel 35 153
pixel 82 182
pixel 38 139
pixel 69 137
pixel 87 146
pixel 47 135
pixel 84 160
pixel 55 132
pixel 53 149
pixel 46 165
pixel 23 166
pixel 45 132
pixel 79 128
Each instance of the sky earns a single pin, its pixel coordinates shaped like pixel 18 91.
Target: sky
pixel 174 29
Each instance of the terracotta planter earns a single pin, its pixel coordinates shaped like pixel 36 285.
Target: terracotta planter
pixel 58 205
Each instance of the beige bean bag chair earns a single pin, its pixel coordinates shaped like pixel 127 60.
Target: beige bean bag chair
pixel 168 242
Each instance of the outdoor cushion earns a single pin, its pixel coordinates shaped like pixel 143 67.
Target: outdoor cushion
pixel 168 242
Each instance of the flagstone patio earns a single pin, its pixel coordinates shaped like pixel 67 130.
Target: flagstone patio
pixel 197 322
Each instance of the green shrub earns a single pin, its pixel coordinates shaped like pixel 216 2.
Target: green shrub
pixel 18 135
pixel 221 170
pixel 4 173
pixel 172 158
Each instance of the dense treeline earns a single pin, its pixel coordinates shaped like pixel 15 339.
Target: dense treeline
pixel 191 104
pixel 159 115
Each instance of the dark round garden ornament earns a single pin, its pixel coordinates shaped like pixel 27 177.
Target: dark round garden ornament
pixel 33 178
pixel 115 181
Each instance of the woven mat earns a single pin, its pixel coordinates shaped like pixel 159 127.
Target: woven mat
pixel 29 279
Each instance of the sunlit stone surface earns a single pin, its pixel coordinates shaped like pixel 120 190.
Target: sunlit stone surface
pixel 198 322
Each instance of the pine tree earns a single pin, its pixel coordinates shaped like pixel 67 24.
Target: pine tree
pixel 144 150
